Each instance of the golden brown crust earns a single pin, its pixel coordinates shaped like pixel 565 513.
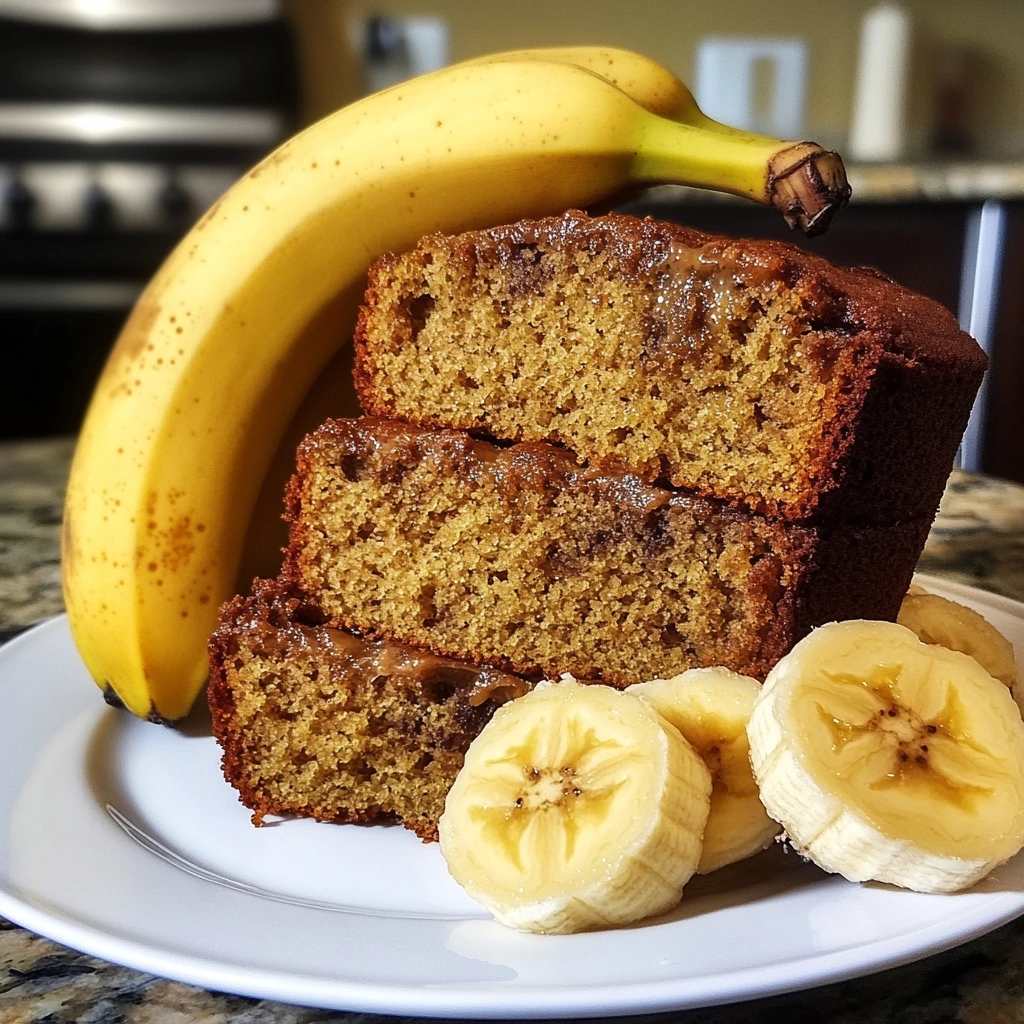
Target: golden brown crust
pixel 872 442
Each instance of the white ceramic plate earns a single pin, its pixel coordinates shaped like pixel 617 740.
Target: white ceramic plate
pixel 121 839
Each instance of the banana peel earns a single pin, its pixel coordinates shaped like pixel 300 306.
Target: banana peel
pixel 235 328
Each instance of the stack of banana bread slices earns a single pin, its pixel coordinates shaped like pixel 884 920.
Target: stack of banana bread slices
pixel 606 446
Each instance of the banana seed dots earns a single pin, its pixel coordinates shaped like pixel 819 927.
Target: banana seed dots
pixel 905 730
pixel 911 755
pixel 547 787
pixel 576 807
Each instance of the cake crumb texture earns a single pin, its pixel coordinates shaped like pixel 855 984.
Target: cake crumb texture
pixel 519 557
pixel 315 722
pixel 749 371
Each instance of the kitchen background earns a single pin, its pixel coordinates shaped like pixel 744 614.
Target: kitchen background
pixel 121 120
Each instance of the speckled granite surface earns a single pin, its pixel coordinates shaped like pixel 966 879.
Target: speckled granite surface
pixel 978 539
pixel 31 486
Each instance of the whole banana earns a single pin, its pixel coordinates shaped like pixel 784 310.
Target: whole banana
pixel 236 325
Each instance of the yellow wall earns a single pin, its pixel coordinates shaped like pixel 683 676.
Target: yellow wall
pixel 670 29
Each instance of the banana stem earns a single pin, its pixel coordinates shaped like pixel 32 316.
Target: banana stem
pixel 805 183
pixel 808 186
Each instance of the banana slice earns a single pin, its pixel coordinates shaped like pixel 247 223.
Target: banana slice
pixel 711 708
pixel 577 807
pixel 885 758
pixel 948 624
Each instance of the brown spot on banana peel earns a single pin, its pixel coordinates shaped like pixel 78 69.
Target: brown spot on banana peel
pixel 808 186
pixel 178 543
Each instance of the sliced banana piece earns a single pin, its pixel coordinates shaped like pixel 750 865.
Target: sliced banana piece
pixel 889 759
pixel 577 807
pixel 938 621
pixel 711 708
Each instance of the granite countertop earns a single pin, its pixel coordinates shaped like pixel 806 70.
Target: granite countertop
pixel 978 539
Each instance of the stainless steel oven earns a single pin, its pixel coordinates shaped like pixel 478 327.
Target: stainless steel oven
pixel 120 122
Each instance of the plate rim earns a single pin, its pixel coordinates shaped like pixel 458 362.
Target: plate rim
pixel 467 1001
pixel 802 974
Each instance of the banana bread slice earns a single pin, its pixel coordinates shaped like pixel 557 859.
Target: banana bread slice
pixel 317 722
pixel 521 558
pixel 750 371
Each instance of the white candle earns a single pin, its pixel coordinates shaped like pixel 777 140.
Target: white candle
pixel 879 112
